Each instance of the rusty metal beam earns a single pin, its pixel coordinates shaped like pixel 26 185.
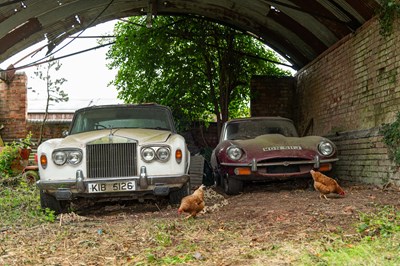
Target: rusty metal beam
pixel 24 31
pixel 367 8
pixel 287 22
pixel 301 30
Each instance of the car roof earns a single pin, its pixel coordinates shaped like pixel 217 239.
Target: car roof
pixel 122 106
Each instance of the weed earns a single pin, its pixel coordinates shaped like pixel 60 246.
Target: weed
pixel 388 13
pixel 20 205
pixel 163 239
pixel 377 244
pixel 8 156
pixel 391 137
pixel 49 215
pixel 384 223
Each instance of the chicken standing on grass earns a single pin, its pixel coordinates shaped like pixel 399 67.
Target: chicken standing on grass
pixel 193 204
pixel 325 185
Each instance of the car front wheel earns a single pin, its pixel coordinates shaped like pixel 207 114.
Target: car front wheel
pixel 50 202
pixel 232 186
pixel 176 196
pixel 217 179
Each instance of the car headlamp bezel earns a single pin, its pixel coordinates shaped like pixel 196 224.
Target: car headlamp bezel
pixel 75 157
pixel 326 148
pixel 148 154
pixel 163 153
pixel 67 156
pixel 152 153
pixel 234 153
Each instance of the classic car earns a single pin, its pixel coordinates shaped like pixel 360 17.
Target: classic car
pixel 115 152
pixel 264 149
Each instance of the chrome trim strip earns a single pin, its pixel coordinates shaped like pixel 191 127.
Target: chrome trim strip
pixel 170 181
pixel 284 163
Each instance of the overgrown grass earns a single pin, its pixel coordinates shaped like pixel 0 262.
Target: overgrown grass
pixel 378 243
pixel 20 206
pixel 169 241
pixel 366 252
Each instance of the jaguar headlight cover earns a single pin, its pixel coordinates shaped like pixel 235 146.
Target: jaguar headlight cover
pixel 326 148
pixel 234 153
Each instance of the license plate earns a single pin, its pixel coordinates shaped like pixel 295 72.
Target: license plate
pixel 111 187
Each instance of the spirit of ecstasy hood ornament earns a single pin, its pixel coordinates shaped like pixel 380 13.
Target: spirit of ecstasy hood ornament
pixel 111 135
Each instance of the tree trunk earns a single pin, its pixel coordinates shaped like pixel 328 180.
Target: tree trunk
pixel 47 108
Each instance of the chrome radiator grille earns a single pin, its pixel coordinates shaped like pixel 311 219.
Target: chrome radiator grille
pixel 111 160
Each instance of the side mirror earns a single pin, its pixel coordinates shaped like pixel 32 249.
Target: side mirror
pixel 65 133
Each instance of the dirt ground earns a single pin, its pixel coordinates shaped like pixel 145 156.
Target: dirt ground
pixel 228 232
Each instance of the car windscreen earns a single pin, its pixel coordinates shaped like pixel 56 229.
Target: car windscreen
pixel 96 119
pixel 252 128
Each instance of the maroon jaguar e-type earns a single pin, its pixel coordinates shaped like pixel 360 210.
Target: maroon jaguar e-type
pixel 267 148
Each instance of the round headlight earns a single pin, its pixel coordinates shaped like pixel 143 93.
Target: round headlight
pixel 148 154
pixel 59 157
pixel 326 148
pixel 74 157
pixel 163 153
pixel 234 153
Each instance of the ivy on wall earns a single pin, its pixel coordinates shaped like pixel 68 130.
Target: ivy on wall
pixel 388 13
pixel 391 137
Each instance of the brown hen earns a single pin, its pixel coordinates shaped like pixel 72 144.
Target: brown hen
pixel 325 185
pixel 193 204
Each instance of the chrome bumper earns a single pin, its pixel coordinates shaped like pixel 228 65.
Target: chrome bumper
pixel 254 165
pixel 157 185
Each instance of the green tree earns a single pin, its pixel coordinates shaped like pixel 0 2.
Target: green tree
pixel 201 69
pixel 54 93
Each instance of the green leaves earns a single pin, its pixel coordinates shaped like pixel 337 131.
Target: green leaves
pixel 383 223
pixel 391 137
pixel 8 156
pixel 388 13
pixel 20 206
pixel 201 69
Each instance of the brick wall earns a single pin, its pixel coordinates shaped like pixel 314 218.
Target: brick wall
pixel 201 136
pixel 14 117
pixel 348 92
pixel 353 86
pixel 51 130
pixel 364 158
pixel 13 107
pixel 277 94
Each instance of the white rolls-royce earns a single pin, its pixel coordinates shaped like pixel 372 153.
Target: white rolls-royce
pixel 115 152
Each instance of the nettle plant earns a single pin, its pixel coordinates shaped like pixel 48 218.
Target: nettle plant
pixel 391 137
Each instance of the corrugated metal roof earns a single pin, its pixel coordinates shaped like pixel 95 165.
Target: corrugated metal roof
pixel 298 30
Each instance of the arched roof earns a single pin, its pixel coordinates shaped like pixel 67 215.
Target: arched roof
pixel 299 30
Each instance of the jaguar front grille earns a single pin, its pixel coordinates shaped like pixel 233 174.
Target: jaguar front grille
pixel 111 160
